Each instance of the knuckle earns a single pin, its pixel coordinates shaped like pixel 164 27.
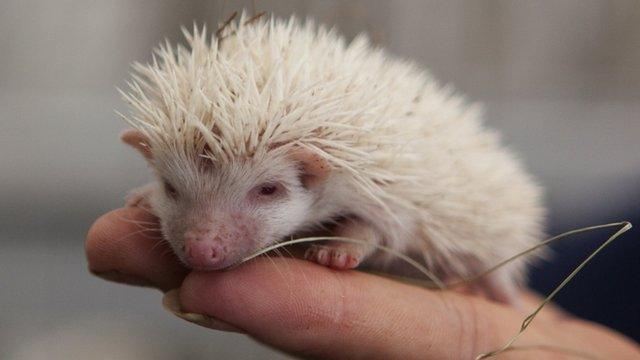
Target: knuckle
pixel 470 327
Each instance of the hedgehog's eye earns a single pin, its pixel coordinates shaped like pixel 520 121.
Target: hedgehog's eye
pixel 170 189
pixel 269 190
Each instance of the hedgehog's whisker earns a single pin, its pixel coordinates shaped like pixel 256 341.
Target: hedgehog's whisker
pixel 158 243
pixel 142 232
pixel 149 225
pixel 275 265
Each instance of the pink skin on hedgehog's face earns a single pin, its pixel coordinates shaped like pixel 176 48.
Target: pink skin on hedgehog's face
pixel 214 215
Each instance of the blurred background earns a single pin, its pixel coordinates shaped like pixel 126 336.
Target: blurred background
pixel 560 79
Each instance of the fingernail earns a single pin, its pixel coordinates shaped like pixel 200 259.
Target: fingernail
pixel 120 277
pixel 171 302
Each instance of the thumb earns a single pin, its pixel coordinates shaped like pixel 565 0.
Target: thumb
pixel 311 311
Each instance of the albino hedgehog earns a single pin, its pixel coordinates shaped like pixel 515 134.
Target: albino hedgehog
pixel 277 128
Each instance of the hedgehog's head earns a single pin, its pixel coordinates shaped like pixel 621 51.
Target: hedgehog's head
pixel 213 214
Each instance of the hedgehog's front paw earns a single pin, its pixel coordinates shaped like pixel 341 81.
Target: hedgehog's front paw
pixel 139 197
pixel 134 199
pixel 337 256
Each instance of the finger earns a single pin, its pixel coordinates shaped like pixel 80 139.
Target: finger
pixel 311 311
pixel 552 312
pixel 126 246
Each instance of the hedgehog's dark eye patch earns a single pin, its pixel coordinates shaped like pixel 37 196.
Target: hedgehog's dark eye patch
pixel 169 189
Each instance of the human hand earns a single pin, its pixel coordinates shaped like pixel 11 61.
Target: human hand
pixel 314 312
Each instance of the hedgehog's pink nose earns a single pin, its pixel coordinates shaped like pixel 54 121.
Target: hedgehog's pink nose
pixel 203 250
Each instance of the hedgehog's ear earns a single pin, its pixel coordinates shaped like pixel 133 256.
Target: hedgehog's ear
pixel 315 168
pixel 139 141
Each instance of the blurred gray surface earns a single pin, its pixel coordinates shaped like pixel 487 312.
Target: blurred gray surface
pixel 561 80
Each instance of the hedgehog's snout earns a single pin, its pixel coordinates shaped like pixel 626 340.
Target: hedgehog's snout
pixel 217 244
pixel 204 250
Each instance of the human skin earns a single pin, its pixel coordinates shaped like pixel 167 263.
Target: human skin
pixel 314 312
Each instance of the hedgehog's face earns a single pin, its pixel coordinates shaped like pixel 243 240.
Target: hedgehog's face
pixel 214 215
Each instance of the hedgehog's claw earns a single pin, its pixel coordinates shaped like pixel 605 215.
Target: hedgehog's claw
pixel 335 256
